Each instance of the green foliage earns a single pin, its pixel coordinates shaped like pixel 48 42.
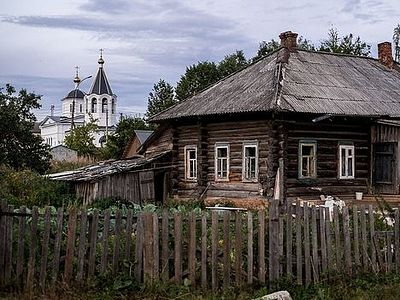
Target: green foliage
pixel 264 48
pixel 196 78
pixel 160 98
pixel 28 188
pixel 19 147
pixel 117 142
pixel 232 63
pixel 203 74
pixel 81 139
pixel 346 45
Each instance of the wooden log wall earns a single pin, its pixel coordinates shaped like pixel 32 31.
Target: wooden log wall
pixel 327 136
pixel 205 136
pixel 160 143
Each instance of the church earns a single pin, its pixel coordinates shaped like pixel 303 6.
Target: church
pixel 78 107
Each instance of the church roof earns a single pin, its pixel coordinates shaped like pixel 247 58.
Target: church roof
pixel 100 84
pixel 78 94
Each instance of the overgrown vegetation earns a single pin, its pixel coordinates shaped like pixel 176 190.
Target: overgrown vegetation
pixel 123 286
pixel 28 188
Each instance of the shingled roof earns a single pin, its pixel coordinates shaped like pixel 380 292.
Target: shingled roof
pixel 300 81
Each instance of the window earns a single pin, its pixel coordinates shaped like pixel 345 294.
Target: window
pixel 113 106
pixel 346 161
pixel 307 159
pixel 94 105
pixel 104 105
pixel 222 162
pixel 70 107
pixel 191 162
pixel 250 162
pixel 80 108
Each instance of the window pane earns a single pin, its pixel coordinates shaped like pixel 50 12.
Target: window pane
pixel 350 166
pixel 343 161
pixel 222 152
pixel 192 154
pixel 250 151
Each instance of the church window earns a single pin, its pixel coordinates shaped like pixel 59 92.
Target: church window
pixel 70 107
pixel 80 108
pixel 104 105
pixel 94 105
pixel 113 106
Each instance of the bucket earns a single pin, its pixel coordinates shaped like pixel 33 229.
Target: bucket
pixel 359 195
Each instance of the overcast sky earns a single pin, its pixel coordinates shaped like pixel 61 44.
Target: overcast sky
pixel 145 40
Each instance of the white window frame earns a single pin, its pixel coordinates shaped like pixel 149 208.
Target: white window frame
pixel 253 144
pixel 190 163
pixel 353 156
pixel 300 158
pixel 216 162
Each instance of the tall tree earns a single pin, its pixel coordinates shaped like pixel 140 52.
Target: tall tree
pixel 232 63
pixel 348 44
pixel 19 147
pixel 117 142
pixel 81 139
pixel 396 41
pixel 196 78
pixel 160 98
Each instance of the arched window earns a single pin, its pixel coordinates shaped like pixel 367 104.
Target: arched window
pixel 94 105
pixel 70 107
pixel 113 106
pixel 80 108
pixel 104 105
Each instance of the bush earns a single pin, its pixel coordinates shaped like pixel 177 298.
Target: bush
pixel 31 189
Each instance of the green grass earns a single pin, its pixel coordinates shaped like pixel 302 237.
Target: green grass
pixel 123 287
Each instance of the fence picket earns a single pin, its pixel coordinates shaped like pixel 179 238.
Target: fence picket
pixel 261 246
pixel 32 250
pixel 347 245
pixel 214 249
pixel 307 257
pixel 314 244
pixel 329 259
pixel 128 235
pixel 356 237
pixel 21 245
pixel 299 242
pixel 324 264
pixel 156 248
pixel 338 248
pixel 164 246
pixel 364 238
pixel 372 234
pixel 139 248
pixel 45 248
pixel 92 243
pixel 104 254
pixel 69 255
pixel 57 243
pixel 82 245
pixel 249 247
pixel 116 243
pixel 192 249
pixel 204 251
pixel 238 248
pixel 178 247
pixel 289 239
pixel 227 250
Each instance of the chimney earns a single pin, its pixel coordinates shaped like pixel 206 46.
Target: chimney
pixel 288 40
pixel 385 54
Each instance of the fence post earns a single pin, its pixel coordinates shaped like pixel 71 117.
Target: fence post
pixel 148 251
pixel 274 241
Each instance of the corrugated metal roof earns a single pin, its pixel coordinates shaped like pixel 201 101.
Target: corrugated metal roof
pixel 312 82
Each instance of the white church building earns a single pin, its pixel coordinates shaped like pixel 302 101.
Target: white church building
pixel 78 108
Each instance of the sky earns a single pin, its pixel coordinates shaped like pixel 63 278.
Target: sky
pixel 148 40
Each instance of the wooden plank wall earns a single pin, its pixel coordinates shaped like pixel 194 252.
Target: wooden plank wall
pixel 212 250
pixel 124 185
pixel 327 136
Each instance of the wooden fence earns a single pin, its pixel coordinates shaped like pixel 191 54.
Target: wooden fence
pixel 213 250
